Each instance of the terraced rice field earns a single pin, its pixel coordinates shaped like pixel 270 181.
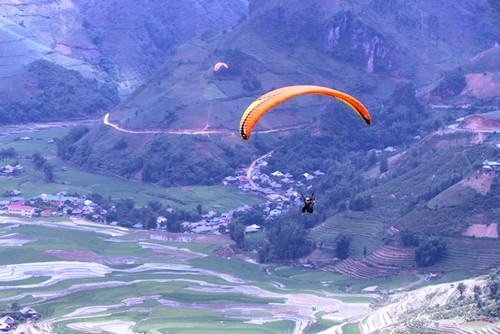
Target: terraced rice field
pixel 361 231
pixel 476 254
pixel 83 277
pixel 416 309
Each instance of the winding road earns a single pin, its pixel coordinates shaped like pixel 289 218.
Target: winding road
pixel 204 131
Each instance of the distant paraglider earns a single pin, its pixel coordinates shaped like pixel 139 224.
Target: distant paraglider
pixel 220 65
pixel 269 100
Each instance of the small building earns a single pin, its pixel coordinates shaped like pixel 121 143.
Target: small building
pixel 14 193
pixel 252 228
pixel 28 312
pixel 21 210
pixel 243 180
pixel 389 149
pixel 229 180
pixel 6 323
pixel 46 213
pixel 308 176
pixel 491 165
pixel 274 213
pixel 7 320
pixel 318 173
pixel 277 174
pixel 432 277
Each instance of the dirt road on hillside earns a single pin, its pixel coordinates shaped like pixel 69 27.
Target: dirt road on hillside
pixel 193 131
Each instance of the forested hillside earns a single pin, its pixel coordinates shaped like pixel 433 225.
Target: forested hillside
pixel 49 48
pixel 398 58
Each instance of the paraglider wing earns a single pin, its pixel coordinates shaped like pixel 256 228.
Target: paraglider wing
pixel 218 66
pixel 269 100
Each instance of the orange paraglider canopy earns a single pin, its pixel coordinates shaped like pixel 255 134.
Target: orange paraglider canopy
pixel 218 66
pixel 269 100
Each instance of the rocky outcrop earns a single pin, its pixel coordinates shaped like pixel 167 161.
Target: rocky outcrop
pixel 348 38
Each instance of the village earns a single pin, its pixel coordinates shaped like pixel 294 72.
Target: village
pixel 279 189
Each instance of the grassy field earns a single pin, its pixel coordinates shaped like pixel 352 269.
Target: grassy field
pixel 321 325
pixel 72 180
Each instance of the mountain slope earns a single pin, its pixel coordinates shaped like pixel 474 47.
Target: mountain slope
pixel 126 40
pixel 110 48
pixel 367 49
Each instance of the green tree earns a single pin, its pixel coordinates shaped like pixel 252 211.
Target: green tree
pixel 384 164
pixel 250 217
pixel 48 173
pixel 38 160
pixel 461 288
pixel 371 159
pixel 430 251
pixel 155 205
pixel 288 241
pixel 360 203
pixel 342 248
pixel 98 198
pixel 7 153
pixel 409 238
pixel 237 233
pixel 15 306
pixel 120 145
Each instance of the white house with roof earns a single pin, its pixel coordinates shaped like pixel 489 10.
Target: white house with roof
pixel 252 228
pixel 28 312
pixel 274 213
pixel 318 173
pixel 6 323
pixel 491 165
pixel 308 176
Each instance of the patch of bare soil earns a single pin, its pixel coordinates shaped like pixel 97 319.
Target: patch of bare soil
pixel 477 122
pixel 227 251
pixel 482 231
pixel 481 85
pixel 480 182
pixel 478 138
pixel 78 255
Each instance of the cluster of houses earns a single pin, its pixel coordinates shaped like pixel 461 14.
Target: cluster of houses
pixel 7 322
pixel 9 170
pixel 491 166
pixel 213 223
pixel 279 189
pixel 46 205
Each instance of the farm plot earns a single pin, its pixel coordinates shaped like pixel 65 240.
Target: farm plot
pixel 84 277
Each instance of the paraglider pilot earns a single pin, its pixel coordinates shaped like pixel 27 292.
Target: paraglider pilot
pixel 308 204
